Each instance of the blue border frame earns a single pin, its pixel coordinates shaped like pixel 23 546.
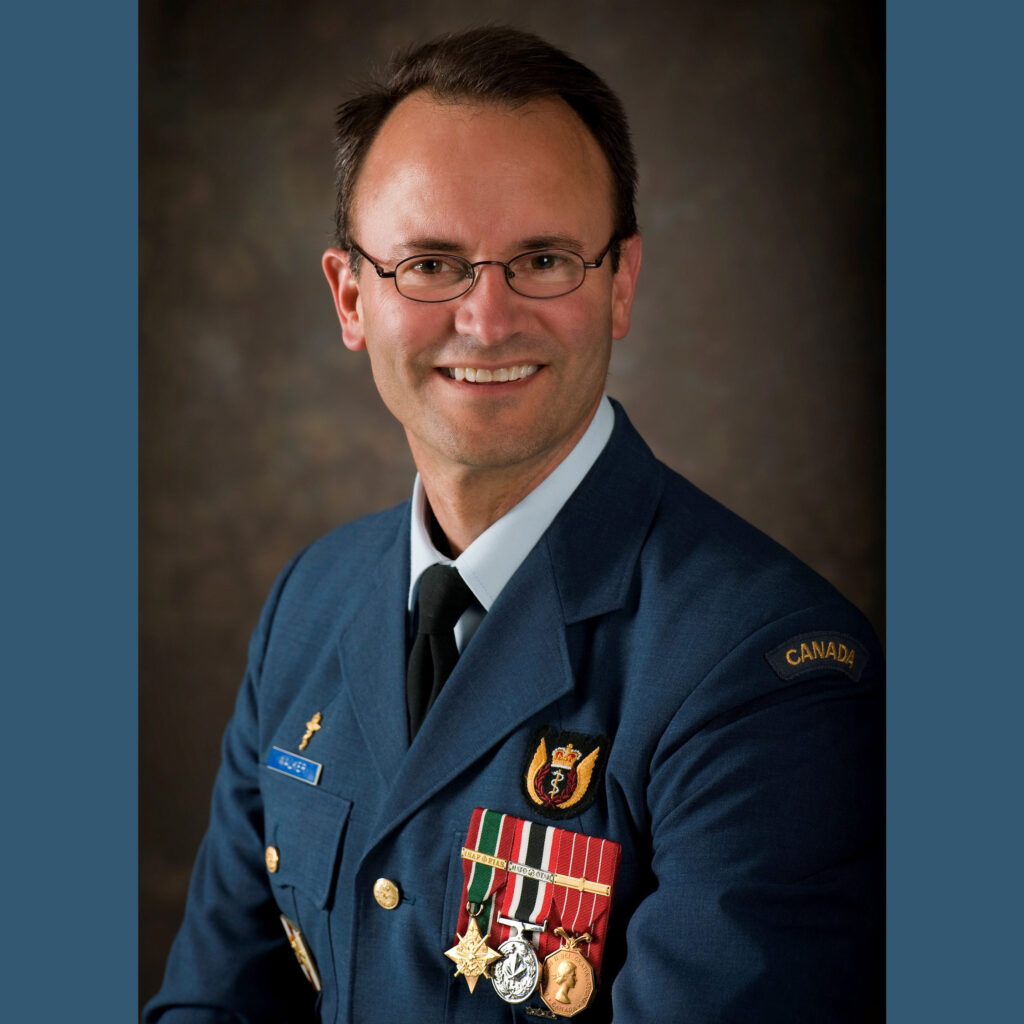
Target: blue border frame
pixel 954 332
pixel 69 418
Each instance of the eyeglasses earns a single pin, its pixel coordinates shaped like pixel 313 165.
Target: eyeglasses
pixel 538 274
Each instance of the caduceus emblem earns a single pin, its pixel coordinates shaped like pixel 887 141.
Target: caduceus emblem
pixel 560 781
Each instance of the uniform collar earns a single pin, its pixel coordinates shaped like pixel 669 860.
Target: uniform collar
pixel 492 559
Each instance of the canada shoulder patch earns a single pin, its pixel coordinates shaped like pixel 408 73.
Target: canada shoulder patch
pixel 563 771
pixel 811 652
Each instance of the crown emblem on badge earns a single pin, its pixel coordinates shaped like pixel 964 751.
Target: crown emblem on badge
pixel 566 781
pixel 565 757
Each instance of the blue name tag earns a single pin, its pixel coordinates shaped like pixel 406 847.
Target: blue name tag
pixel 291 764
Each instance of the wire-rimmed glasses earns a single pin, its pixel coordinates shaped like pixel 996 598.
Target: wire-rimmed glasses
pixel 440 277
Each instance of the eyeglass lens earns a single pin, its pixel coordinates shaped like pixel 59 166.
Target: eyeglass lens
pixel 541 275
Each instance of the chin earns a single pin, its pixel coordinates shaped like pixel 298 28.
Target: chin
pixel 493 455
pixel 495 448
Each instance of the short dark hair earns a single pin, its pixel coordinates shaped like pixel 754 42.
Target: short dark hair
pixel 495 64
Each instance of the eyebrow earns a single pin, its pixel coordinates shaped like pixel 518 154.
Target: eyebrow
pixel 551 242
pixel 428 243
pixel 435 243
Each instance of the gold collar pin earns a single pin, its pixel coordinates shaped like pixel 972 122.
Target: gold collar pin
pixel 312 726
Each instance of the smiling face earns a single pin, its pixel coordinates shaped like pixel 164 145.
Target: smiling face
pixel 491 380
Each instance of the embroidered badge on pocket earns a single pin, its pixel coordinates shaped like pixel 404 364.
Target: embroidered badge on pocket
pixel 564 773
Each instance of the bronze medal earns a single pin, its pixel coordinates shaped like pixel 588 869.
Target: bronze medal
pixel 567 980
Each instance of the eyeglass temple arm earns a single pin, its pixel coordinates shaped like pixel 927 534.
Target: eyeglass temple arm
pixel 600 259
pixel 381 272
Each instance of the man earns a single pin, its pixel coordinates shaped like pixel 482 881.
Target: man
pixel 639 673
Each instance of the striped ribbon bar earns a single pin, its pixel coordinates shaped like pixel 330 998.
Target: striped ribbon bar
pixel 582 909
pixel 579 884
pixel 529 872
pixel 489 842
pixel 528 894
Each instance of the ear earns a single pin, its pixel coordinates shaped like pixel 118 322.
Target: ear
pixel 624 284
pixel 345 289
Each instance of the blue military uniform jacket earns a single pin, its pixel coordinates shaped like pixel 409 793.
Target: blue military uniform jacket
pixel 742 778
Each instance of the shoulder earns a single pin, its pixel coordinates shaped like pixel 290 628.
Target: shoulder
pixel 746 637
pixel 351 550
pixel 694 533
pixel 698 591
pixel 326 583
pixel 735 581
pixel 637 520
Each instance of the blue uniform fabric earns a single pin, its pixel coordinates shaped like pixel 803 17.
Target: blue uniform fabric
pixel 748 806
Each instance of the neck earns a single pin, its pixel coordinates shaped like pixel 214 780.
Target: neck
pixel 464 506
pixel 466 500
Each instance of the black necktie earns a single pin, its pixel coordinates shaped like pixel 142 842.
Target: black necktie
pixel 443 597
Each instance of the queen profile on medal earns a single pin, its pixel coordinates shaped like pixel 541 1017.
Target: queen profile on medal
pixel 567 981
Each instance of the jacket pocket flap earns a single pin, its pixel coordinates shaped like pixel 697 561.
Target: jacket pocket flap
pixel 306 826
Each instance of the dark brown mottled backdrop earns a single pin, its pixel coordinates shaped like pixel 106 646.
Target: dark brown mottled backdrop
pixel 754 366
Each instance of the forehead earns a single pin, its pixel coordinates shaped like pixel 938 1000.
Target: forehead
pixel 483 172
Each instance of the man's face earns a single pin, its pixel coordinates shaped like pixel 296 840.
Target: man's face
pixel 487 183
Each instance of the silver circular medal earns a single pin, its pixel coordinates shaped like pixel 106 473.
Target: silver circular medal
pixel 516 975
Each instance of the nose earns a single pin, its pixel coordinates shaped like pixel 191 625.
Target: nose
pixel 490 311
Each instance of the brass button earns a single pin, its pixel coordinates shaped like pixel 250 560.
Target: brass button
pixel 273 858
pixel 385 892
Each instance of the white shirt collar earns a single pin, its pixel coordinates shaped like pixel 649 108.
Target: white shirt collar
pixel 492 559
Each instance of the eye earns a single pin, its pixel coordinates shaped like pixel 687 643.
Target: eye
pixel 434 266
pixel 540 262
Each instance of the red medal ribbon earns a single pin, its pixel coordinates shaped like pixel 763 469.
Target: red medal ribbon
pixel 518 884
pixel 492 834
pixel 596 860
pixel 528 896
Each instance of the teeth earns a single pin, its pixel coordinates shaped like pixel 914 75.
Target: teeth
pixel 478 375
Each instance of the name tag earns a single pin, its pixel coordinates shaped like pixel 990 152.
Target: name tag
pixel 291 764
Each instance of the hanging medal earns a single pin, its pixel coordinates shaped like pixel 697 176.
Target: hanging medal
pixel 567 979
pixel 534 888
pixel 525 904
pixel 585 875
pixel 484 858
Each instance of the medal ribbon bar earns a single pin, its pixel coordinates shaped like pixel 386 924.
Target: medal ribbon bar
pixel 586 910
pixel 489 840
pixel 537 875
pixel 566 881
pixel 528 893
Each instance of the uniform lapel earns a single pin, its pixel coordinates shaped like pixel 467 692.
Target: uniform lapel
pixel 372 650
pixel 516 664
pixel 595 541
pixel 518 661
